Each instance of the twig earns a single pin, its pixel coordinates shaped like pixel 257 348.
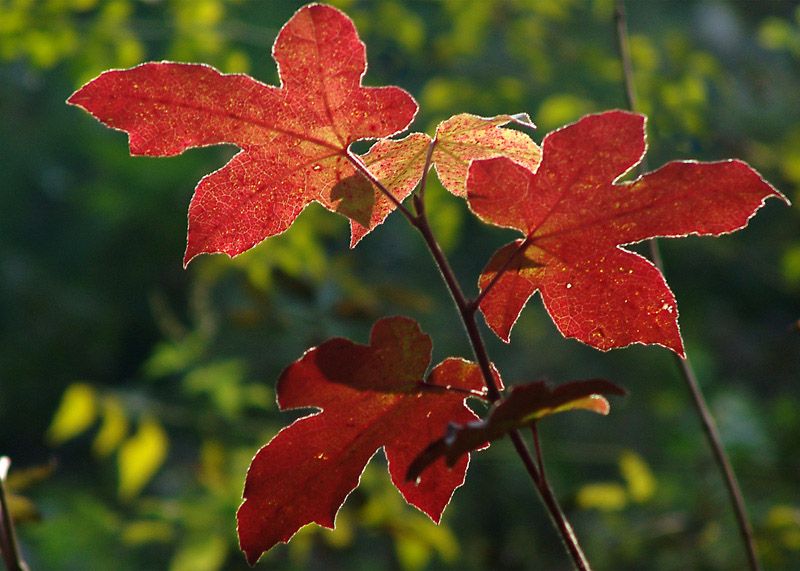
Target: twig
pixel 426 169
pixel 683 363
pixel 356 161
pixel 507 264
pixel 554 510
pixel 8 537
pixel 538 448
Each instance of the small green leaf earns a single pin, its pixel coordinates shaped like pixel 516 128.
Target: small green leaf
pixel 642 484
pixel 603 496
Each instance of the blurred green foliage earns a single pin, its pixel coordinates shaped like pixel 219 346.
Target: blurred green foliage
pixel 152 387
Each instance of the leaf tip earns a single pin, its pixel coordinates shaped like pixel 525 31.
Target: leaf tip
pixel 597 403
pixel 71 100
pixel 523 119
pixel 190 254
pixel 675 345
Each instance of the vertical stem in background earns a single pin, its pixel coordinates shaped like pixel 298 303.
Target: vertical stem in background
pixel 684 366
pixel 8 538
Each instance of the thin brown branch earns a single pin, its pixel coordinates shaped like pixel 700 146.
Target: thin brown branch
pixel 426 169
pixel 554 510
pixel 538 448
pixel 356 161
pixel 683 363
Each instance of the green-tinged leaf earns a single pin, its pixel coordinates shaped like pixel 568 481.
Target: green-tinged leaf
pixel 398 165
pixel 464 138
pixel 23 478
pixel 200 554
pixel 21 509
pixel 173 357
pixel 143 532
pixel 642 485
pixel 603 496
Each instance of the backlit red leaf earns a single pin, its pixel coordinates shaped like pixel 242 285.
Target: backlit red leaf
pixel 371 396
pixel 525 405
pixel 294 138
pixel 575 218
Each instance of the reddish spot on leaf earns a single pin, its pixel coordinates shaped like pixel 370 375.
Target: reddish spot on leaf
pixel 371 396
pixel 294 138
pixel 525 405
pixel 575 218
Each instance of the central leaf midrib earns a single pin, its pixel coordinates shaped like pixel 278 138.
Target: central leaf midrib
pixel 324 90
pixel 237 117
pixel 603 220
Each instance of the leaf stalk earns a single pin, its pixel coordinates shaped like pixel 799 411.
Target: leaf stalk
pixel 356 161
pixel 503 269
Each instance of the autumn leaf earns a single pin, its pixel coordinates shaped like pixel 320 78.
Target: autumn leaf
pixel 459 140
pixel 464 138
pixel 371 396
pixel 399 165
pixel 294 138
pixel 525 405
pixel 575 218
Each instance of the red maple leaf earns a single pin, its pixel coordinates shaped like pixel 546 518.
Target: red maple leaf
pixel 575 217
pixel 294 138
pixel 371 396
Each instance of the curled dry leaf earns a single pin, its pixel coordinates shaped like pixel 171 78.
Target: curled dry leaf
pixel 525 405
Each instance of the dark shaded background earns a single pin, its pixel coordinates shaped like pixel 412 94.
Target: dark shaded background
pixel 170 372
